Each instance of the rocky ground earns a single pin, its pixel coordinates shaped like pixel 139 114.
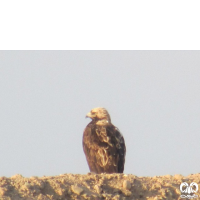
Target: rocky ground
pixel 94 187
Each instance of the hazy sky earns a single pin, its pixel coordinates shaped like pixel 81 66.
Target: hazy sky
pixel 153 97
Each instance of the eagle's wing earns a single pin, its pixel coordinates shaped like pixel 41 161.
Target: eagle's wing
pixel 121 149
pixel 104 148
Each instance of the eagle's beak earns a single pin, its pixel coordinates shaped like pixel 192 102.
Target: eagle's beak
pixel 89 115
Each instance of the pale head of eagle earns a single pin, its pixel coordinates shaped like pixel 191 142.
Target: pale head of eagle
pixel 100 115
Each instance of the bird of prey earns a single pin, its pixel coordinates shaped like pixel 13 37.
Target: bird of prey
pixel 103 144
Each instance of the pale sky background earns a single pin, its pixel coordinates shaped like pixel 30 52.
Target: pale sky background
pixel 153 97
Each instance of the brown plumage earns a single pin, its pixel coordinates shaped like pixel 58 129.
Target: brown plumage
pixel 103 144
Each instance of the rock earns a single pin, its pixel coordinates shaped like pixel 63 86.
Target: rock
pixel 76 189
pixel 60 191
pixel 98 189
pixel 85 196
pixel 178 176
pixel 33 177
pixel 3 178
pixel 3 191
pixel 116 197
pixel 126 185
pixel 16 176
pixel 41 184
pixel 168 176
pixel 127 193
pixel 158 186
pixel 26 186
pixel 178 191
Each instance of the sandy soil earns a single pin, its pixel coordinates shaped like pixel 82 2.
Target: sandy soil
pixel 94 186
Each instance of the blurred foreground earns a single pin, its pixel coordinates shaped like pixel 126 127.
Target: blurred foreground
pixel 95 186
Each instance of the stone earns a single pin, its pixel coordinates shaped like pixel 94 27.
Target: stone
pixel 126 185
pixel 76 189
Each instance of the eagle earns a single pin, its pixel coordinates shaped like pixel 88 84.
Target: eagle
pixel 103 144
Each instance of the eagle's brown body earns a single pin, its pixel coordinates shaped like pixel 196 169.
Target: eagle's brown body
pixel 103 144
